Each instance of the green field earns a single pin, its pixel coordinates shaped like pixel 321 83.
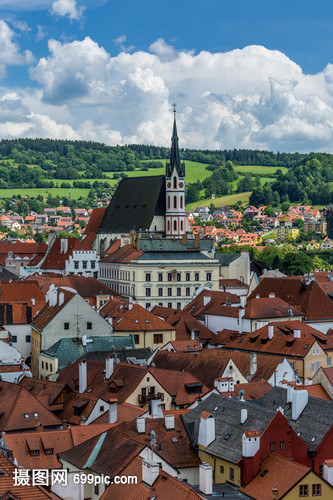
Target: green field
pixel 229 199
pixel 258 169
pixel 76 193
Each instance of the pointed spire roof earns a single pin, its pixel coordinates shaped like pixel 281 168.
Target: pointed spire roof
pixel 174 154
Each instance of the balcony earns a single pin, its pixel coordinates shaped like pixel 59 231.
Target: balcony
pixel 147 398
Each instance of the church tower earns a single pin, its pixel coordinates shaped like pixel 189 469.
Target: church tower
pixel 175 219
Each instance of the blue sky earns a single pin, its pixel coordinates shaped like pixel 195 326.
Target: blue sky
pixel 247 73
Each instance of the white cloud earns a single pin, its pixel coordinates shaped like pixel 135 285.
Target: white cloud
pixel 22 26
pixel 41 33
pixel 9 50
pixel 67 8
pixel 245 98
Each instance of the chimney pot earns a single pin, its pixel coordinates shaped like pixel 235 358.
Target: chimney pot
pixel 270 331
pixel 113 410
pixel 243 415
pixel 141 425
pixel 206 299
pixel 150 472
pixel 169 421
pixel 206 479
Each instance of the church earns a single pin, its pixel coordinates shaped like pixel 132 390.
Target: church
pixel 151 206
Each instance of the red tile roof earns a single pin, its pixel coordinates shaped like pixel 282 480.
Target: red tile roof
pixel 48 313
pixel 134 317
pixel 56 259
pixel 95 220
pixel 197 308
pixel 20 296
pixel 269 308
pixel 124 255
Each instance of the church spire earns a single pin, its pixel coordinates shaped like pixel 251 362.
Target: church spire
pixel 174 154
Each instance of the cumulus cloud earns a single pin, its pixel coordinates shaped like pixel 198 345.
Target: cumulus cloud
pixel 246 98
pixel 67 8
pixel 9 50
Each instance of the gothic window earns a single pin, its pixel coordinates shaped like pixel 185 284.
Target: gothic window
pixel 168 201
pixel 168 226
pixel 181 225
pixel 181 202
pixel 175 202
pixel 175 225
pixel 175 183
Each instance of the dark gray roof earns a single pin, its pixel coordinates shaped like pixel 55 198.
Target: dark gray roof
pixel 174 256
pixel 170 245
pixel 134 204
pixel 7 275
pixel 314 422
pixel 135 356
pixel 228 427
pixel 227 258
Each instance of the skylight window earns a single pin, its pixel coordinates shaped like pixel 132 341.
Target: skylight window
pixel 147 320
pixel 306 346
pixel 190 348
pixel 216 408
pixel 27 416
pixel 227 437
pixel 36 414
pixel 174 440
pixel 136 321
pixel 313 439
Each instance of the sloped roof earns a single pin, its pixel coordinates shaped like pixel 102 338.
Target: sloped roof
pixel 74 400
pixel 46 391
pixel 269 308
pixel 20 492
pixel 56 259
pixel 16 401
pixel 228 428
pixel 95 220
pixel 20 297
pixel 136 201
pixel 48 312
pixel 314 422
pixel 275 467
pixel 137 318
pixel 122 254
pixel 217 299
pixel 86 286
pixel 310 299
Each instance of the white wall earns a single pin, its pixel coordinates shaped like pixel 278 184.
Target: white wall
pixel 283 371
pixel 96 412
pixel 218 323
pixel 21 331
pixel 80 256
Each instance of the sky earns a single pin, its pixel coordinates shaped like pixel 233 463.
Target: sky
pixel 254 74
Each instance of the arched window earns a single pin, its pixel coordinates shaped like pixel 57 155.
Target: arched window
pixel 175 182
pixel 181 202
pixel 168 226
pixel 181 226
pixel 175 202
pixel 168 201
pixel 175 225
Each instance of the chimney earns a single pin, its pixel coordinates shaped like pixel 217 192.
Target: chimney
pixel 33 302
pixel 328 471
pixel 241 313
pixel 109 320
pixel 130 306
pixel 275 494
pixel 109 367
pixel 206 299
pixel 169 421
pixel 196 241
pixel 277 273
pixel 297 333
pixel 253 363
pixel 156 411
pixel 84 340
pixel 270 331
pixel 61 298
pixel 272 295
pixel 150 472
pixel 290 391
pixel 63 245
pixel 82 376
pixel 113 406
pixel 243 300
pixel 83 420
pixel 258 296
pixel 250 443
pixel 206 429
pixel 184 240
pixel 205 479
pixel 243 415
pixel 141 425
pixel 299 401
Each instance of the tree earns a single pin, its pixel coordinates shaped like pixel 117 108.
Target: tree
pixel 285 206
pixel 269 211
pixel 297 263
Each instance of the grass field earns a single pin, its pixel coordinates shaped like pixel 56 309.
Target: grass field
pixel 61 192
pixel 229 199
pixel 258 169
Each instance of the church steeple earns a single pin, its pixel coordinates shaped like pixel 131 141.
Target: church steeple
pixel 175 219
pixel 174 154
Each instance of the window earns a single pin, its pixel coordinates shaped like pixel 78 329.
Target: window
pixel 231 474
pixel 160 276
pixel 34 453
pixel 181 202
pixel 168 226
pixel 272 446
pixel 148 306
pixel 196 276
pixel 316 490
pixel 96 489
pixel 179 291
pixel 168 201
pixel 89 325
pixel 148 292
pixel 136 339
pixel 312 367
pixel 42 365
pixel 158 338
pixel 208 276
pixel 51 367
pixel 160 292
pixel 170 305
pixel 169 292
pixel 148 276
pixel 175 225
pixel 187 291
pixel 84 264
pixel 321 468
pixel 101 408
pixel 66 326
pixel 304 490
pixel 49 451
pixel 14 339
pixel 175 202
pixel 317 366
pixel 329 361
pixel 76 264
pixel 27 416
pixel 181 225
pixel 188 276
pixel 221 469
pixel 46 366
pixel 92 264
pixel 179 305
pixel 28 338
pixel 179 276
pixel 36 414
pixel 169 277
pixel 282 445
pixel 175 182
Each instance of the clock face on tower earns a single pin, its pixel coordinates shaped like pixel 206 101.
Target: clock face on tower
pixel 181 184
pixel 169 184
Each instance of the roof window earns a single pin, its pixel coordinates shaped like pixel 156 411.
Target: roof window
pixel 136 321
pixel 147 320
pixel 36 414
pixel 27 416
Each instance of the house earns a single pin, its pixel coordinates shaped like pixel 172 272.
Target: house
pixel 326 244
pixel 284 233
pixel 303 346
pixel 21 411
pixel 12 366
pixel 303 294
pixel 234 286
pixel 234 436
pixel 188 328
pixel 19 303
pixel 298 481
pixel 65 314
pixel 147 330
pixel 192 346
pixel 235 266
pixel 324 376
pixel 160 271
pixel 312 246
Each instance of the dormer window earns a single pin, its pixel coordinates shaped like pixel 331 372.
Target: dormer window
pixel 34 453
pixel 49 451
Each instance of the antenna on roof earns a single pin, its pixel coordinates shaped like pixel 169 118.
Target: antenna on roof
pixel 242 394
pixel 153 443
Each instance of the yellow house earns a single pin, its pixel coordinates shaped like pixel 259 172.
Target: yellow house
pixel 312 245
pixel 281 478
pixel 284 233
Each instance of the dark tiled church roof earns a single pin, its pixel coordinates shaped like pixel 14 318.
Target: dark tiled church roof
pixel 134 204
